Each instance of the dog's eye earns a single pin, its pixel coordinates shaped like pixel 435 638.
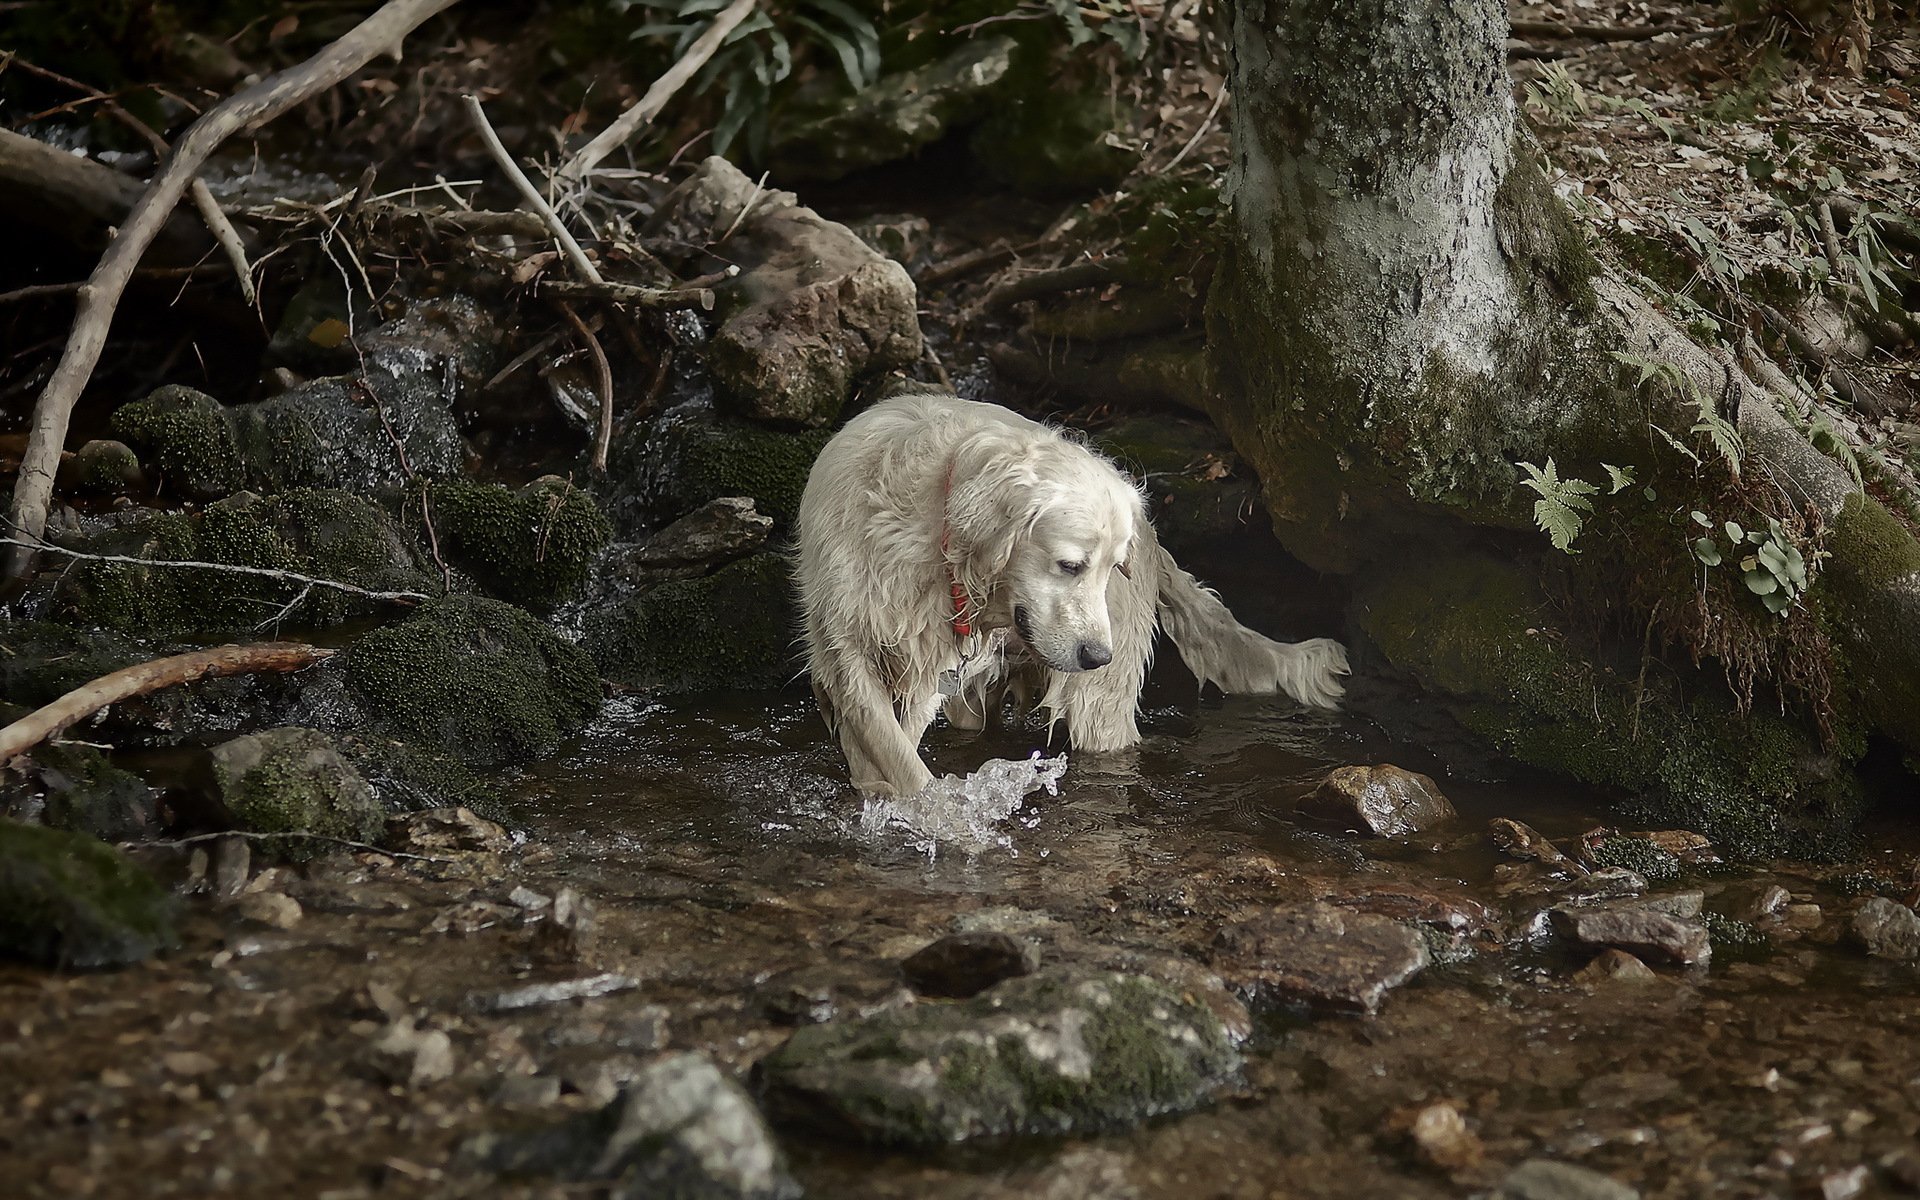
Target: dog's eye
pixel 1071 568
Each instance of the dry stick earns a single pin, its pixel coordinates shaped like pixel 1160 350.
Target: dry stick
pixel 582 265
pixel 34 291
pixel 604 437
pixel 226 568
pixel 251 836
pixel 142 678
pixel 227 236
pixel 1597 33
pixel 262 102
pixel 629 293
pixel 1206 124
pixel 648 107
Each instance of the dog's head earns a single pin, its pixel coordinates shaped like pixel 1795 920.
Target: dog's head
pixel 1043 526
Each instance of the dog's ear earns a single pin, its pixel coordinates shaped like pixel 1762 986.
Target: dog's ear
pixel 993 499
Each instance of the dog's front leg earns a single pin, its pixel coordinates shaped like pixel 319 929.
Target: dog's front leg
pixel 880 755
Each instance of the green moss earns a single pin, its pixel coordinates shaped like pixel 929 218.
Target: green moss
pixel 1874 559
pixel 532 547
pixel 85 793
pixel 1547 249
pixel 40 661
pixel 1053 140
pixel 293 780
pixel 475 678
pixel 101 468
pixel 686 457
pixel 185 436
pixel 67 900
pixel 733 628
pixel 1639 855
pixel 1478 631
pixel 1735 939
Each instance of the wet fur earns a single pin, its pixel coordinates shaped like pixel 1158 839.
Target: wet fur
pixel 1015 499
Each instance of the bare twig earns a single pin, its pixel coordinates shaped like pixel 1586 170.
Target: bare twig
pixel 274 574
pixel 604 437
pixel 227 236
pixel 1598 33
pixel 1206 125
pixel 648 106
pixel 97 300
pixel 1830 240
pixel 36 290
pixel 140 679
pixel 640 297
pixel 270 837
pixel 582 265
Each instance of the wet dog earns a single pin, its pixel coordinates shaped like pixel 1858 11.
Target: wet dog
pixel 953 552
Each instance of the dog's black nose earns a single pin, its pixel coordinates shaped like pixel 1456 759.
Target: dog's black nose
pixel 1092 656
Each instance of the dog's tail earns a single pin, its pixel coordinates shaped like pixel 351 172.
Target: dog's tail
pixel 1221 651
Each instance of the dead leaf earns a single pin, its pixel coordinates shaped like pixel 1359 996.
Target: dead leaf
pixel 283 27
pixel 328 334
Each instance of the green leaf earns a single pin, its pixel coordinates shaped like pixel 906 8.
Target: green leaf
pixel 1622 478
pixel 842 49
pixel 1701 519
pixel 1651 495
pixel 1707 552
pixel 1675 442
pixel 1761 583
pixel 1735 534
pixel 1777 603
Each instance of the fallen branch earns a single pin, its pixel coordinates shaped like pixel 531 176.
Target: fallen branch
pixel 265 100
pixel 639 297
pixel 226 568
pixel 1070 278
pixel 604 437
pixel 143 678
pixel 228 238
pixel 648 106
pixel 582 265
pixel 250 836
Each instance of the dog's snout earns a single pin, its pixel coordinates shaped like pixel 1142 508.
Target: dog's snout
pixel 1094 655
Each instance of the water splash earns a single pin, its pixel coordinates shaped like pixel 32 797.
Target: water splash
pixel 963 812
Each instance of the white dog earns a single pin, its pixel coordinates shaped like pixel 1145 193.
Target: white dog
pixel 955 550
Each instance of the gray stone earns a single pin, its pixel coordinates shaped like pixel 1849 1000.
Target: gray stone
pixel 966 964
pixel 1542 1179
pixel 1664 929
pixel 67 900
pixel 1614 965
pixel 1052 1053
pixel 814 311
pixel 710 537
pixel 292 780
pixel 680 1130
pixel 1385 800
pixel 1320 956
pixel 1886 929
pixel 275 909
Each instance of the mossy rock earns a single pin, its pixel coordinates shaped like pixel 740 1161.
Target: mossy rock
pixel 102 467
pixel 533 547
pixel 1198 493
pixel 187 438
pixel 1047 1054
pixel 325 534
pixel 41 661
pixel 1054 141
pixel 734 628
pixel 69 901
pixel 1478 632
pixel 76 788
pixel 690 455
pixel 345 432
pixel 475 678
pixel 1873 555
pixel 294 781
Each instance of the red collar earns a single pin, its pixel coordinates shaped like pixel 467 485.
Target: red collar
pixel 962 622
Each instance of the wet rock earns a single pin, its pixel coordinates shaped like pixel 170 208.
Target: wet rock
pixel 902 237
pixel 1451 912
pixel 680 1131
pixel 292 780
pixel 1885 929
pixel 1044 1054
pixel 1523 841
pixel 690 454
pixel 232 866
pixel 1733 938
pixel 274 909
pixel 1644 856
pixel 720 531
pixel 1196 493
pixel 1384 800
pixel 1604 883
pixel 1902 1167
pixel 731 629
pixel 1060 140
pixel 1542 1179
pixel 101 467
pixel 1441 1136
pixel 899 114
pixel 527 1091
pixel 1666 929
pixel 1611 966
pixel 447 830
pixel 1319 956
pixel 814 311
pixel 403 1053
pixel 474 677
pixel 69 901
pixel 535 995
pixel 811 995
pixel 451 338
pixel 186 438
pixel 1762 903
pixel 74 787
pixel 569 930
pixel 966 964
pixel 329 433
pixel 532 547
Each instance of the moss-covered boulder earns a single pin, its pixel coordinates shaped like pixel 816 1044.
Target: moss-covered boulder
pixel 1057 139
pixel 320 533
pixel 691 454
pixel 102 467
pixel 73 787
pixel 1047 1054
pixel 534 546
pixel 293 781
pixel 475 678
pixel 67 900
pixel 40 661
pixel 1479 633
pixel 735 628
pixel 349 431
pixel 187 438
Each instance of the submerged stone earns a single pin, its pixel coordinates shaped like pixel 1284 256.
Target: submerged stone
pixel 67 900
pixel 1886 929
pixel 1045 1054
pixel 293 780
pixel 1666 929
pixel 681 1130
pixel 1320 956
pixel 966 964
pixel 1385 800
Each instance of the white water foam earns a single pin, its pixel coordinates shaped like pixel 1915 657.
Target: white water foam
pixel 963 812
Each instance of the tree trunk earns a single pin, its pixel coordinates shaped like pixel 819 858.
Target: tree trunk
pixel 1404 313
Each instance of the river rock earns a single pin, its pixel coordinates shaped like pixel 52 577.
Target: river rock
pixel 966 964
pixel 74 787
pixel 814 311
pixel 1543 1179
pixel 681 1130
pixel 1614 965
pixel 1051 1054
pixel 1320 956
pixel 731 629
pixel 533 546
pixel 1886 929
pixel 1385 800
pixel 69 901
pixel 293 780
pixel 1664 929
pixel 185 436
pixel 102 467
pixel 1441 1136
pixel 1523 841
pixel 720 531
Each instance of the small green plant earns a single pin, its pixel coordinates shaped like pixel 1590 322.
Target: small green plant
pixel 1560 510
pixel 1716 428
pixel 1556 97
pixel 1771 566
pixel 762 51
pixel 1116 21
